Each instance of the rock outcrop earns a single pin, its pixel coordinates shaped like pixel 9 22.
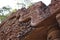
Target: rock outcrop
pixel 38 22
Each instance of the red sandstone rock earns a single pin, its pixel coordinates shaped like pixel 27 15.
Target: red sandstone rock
pixel 38 22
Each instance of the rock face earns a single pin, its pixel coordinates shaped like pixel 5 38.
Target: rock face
pixel 38 22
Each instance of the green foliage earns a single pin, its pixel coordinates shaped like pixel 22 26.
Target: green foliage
pixel 6 8
pixel 1 11
pixel 14 10
pixel 25 3
pixel 2 18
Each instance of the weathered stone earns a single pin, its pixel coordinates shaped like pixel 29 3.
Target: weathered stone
pixel 38 22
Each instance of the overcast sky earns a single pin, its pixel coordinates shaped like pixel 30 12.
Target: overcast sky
pixel 12 3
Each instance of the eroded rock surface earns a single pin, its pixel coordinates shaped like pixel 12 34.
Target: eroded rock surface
pixel 38 22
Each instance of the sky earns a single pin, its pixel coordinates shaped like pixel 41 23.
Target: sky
pixel 12 3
